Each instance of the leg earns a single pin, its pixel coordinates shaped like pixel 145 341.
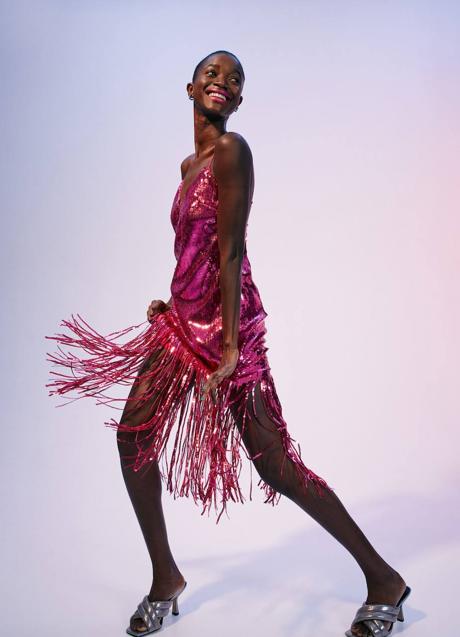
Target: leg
pixel 144 489
pixel 385 585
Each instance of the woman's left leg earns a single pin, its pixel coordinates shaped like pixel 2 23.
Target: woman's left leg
pixel 385 585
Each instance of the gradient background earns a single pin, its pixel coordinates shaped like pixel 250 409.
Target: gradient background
pixel 351 111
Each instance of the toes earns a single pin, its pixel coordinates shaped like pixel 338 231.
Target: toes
pixel 359 630
pixel 140 628
pixel 138 625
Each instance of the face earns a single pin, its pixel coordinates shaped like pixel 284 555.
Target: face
pixel 218 85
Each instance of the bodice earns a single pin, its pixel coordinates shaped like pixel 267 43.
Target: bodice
pixel 195 286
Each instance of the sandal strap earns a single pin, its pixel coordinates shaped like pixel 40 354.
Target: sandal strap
pixel 377 628
pixel 373 616
pixel 150 612
pixel 362 615
pixel 386 612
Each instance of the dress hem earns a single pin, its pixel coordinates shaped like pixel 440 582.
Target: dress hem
pixel 206 461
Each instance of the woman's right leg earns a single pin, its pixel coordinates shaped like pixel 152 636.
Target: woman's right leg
pixel 144 489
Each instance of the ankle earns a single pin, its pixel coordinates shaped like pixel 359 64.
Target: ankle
pixel 166 573
pixel 382 574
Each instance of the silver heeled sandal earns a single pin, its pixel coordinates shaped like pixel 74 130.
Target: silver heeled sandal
pixel 373 615
pixel 153 613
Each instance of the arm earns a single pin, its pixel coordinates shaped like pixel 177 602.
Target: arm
pixel 232 169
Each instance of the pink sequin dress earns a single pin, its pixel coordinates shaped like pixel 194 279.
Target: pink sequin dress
pixel 206 457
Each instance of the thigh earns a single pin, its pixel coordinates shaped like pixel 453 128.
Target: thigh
pixel 143 399
pixel 264 441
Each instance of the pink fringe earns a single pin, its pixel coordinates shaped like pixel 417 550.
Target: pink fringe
pixel 206 461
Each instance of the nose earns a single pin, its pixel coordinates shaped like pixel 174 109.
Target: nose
pixel 222 85
pixel 220 80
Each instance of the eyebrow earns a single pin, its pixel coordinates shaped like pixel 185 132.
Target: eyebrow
pixel 211 64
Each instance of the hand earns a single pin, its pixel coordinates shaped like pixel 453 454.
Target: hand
pixel 226 367
pixel 155 307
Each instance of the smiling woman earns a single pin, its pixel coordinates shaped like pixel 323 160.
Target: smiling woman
pixel 200 369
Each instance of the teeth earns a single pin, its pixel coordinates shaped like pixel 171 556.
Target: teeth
pixel 222 97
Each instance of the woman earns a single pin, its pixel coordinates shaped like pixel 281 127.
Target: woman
pixel 201 366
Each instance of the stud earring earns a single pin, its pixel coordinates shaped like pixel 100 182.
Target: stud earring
pixel 190 97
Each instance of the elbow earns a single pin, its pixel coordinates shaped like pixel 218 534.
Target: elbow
pixel 232 256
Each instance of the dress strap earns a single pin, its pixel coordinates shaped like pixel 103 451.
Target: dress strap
pixel 210 163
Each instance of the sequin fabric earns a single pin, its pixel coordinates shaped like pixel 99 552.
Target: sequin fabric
pixel 195 286
pixel 167 363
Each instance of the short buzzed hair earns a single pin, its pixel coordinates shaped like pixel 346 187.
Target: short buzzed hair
pixel 200 63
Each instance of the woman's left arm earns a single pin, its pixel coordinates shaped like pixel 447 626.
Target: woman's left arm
pixel 232 170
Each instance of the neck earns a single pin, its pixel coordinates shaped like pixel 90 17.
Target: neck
pixel 206 132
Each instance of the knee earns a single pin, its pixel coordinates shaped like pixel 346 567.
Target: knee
pixel 126 442
pixel 126 434
pixel 275 474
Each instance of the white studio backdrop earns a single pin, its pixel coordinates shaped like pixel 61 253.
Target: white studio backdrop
pixel 350 109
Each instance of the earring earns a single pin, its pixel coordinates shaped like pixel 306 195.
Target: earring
pixel 190 97
pixel 236 108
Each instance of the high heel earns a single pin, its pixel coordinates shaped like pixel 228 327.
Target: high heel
pixel 373 616
pixel 153 613
pixel 175 606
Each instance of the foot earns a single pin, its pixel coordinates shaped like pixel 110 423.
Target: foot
pixel 386 589
pixel 161 590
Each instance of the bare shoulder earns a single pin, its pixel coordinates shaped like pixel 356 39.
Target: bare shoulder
pixel 232 151
pixel 232 143
pixel 185 165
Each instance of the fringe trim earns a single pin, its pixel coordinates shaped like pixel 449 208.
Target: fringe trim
pixel 206 461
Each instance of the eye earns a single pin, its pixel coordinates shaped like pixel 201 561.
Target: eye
pixel 210 71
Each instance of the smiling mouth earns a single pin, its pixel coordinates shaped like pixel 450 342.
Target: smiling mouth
pixel 218 97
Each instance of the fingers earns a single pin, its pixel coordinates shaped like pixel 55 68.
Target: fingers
pixel 211 384
pixel 207 389
pixel 214 379
pixel 155 306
